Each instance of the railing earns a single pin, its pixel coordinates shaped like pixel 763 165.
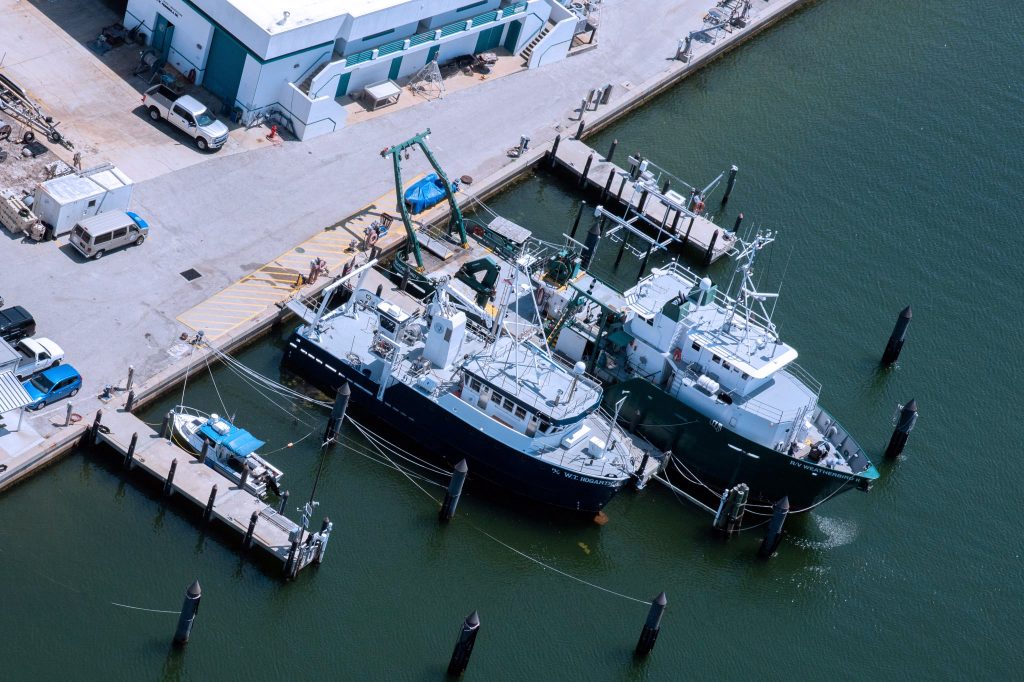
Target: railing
pixel 803 376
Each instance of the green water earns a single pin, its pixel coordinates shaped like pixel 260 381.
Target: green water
pixel 883 141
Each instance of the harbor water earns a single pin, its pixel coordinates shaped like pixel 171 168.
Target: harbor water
pixel 883 142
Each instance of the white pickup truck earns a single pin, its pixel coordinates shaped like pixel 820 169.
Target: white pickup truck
pixel 29 356
pixel 186 113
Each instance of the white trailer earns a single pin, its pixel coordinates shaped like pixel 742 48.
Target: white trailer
pixel 63 201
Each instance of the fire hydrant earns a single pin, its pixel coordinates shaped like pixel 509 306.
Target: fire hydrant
pixel 273 132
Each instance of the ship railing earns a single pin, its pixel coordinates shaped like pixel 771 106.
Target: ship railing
pixel 804 377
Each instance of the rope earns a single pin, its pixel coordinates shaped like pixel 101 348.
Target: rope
pixel 401 470
pixel 213 379
pixel 139 608
pixel 188 370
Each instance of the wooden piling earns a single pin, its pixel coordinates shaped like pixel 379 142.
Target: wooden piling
pixel 131 378
pixel 611 151
pixel 773 536
pixel 130 455
pixel 291 565
pixel 643 263
pixel 130 402
pixel 905 424
pixel 739 220
pixel 686 239
pixel 325 532
pixel 204 452
pixel 165 427
pixel 208 512
pixel 454 492
pixel 898 337
pixel 243 478
pixel 187 617
pixel 710 253
pixel 643 200
pixel 666 185
pixel 247 540
pixel 608 185
pixel 649 635
pixel 464 645
pixel 586 170
pixel 95 430
pixel 579 216
pixel 284 502
pixel 590 245
pixel 554 150
pixel 341 398
pixel 67 417
pixel 169 481
pixel 582 125
pixel 730 184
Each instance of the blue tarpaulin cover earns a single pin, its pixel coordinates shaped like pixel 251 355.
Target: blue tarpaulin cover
pixel 425 193
pixel 238 441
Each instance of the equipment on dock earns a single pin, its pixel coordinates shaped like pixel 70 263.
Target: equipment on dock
pixel 61 202
pixel 15 103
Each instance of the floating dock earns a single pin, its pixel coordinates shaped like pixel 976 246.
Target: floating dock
pixel 657 211
pixel 185 476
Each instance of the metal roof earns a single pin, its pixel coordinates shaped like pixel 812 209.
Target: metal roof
pixel 13 395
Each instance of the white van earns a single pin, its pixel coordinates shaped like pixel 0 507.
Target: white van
pixel 99 234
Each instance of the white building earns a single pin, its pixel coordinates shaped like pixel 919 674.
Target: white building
pixel 300 55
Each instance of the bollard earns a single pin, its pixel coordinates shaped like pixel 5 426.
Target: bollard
pixel 341 399
pixel 451 498
pixel 247 540
pixel 325 533
pixel 739 220
pixel 554 149
pixel 590 245
pixel 898 337
pixel 773 536
pixel 464 645
pixel 611 151
pixel 730 184
pixel 905 424
pixel 586 170
pixel 165 428
pixel 204 452
pixel 284 502
pixel 576 223
pixel 169 482
pixel 95 431
pixel 67 417
pixel 208 512
pixel 131 377
pixel 130 455
pixel 189 609
pixel 649 635
pixel 710 254
pixel 130 402
pixel 243 477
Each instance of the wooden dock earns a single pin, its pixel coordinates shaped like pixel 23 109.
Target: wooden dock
pixel 663 216
pixel 194 481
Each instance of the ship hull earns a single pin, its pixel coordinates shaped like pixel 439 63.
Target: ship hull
pixel 721 458
pixel 417 419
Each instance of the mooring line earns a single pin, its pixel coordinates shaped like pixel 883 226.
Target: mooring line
pixel 139 608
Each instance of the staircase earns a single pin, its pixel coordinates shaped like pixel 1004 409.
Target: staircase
pixel 528 50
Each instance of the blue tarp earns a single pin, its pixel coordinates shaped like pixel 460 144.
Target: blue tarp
pixel 239 441
pixel 425 193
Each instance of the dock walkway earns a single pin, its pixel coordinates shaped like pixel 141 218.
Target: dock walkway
pixel 663 216
pixel 194 481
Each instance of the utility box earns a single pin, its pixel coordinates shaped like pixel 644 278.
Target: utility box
pixel 63 201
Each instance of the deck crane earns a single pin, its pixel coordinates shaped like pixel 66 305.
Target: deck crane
pixel 455 216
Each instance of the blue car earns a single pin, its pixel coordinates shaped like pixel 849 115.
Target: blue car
pixel 51 385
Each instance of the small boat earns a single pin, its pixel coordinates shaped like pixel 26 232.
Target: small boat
pixel 230 449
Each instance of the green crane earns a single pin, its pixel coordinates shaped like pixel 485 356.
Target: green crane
pixel 455 216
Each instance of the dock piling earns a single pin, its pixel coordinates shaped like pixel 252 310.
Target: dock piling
pixel 131 378
pixel 606 93
pixel 622 249
pixel 67 417
pixel 710 253
pixel 169 482
pixel 130 455
pixel 773 536
pixel 731 508
pixel 643 200
pixel 464 646
pixel 189 609
pixel 130 402
pixel 739 221
pixel 643 263
pixel 579 215
pixel 586 170
pixel 689 226
pixel 451 497
pixel 291 566
pixel 905 424
pixel 666 185
pixel 208 512
pixel 284 502
pixel 95 431
pixel 243 478
pixel 325 533
pixel 733 170
pixel 341 399
pixel 649 635
pixel 898 337
pixel 247 540
pixel 165 427
pixel 590 244
pixel 554 150
pixel 204 452
pixel 611 153
pixel 607 185
pixel 583 108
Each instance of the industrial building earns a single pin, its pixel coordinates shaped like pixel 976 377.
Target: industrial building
pixel 300 56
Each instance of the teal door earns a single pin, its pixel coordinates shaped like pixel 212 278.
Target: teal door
pixel 396 66
pixel 432 53
pixel 512 37
pixel 343 84
pixel 488 39
pixel 163 32
pixel 224 66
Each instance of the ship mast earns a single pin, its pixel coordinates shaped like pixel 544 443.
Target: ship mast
pixel 747 295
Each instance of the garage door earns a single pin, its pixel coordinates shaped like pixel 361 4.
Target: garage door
pixel 224 66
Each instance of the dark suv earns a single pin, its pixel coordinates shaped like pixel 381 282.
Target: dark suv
pixel 16 323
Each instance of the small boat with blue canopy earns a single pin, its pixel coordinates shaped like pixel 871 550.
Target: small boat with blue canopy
pixel 230 449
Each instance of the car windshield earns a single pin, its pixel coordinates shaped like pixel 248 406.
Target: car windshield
pixel 203 118
pixel 42 384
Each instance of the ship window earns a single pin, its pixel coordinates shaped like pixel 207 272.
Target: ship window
pixel 745 376
pixel 715 358
pixel 650 321
pixel 726 365
pixel 509 405
pixel 387 323
pixel 474 384
pixel 520 412
pixel 545 427
pixel 695 346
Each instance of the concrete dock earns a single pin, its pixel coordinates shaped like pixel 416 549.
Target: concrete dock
pixel 690 231
pixel 228 217
pixel 194 481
